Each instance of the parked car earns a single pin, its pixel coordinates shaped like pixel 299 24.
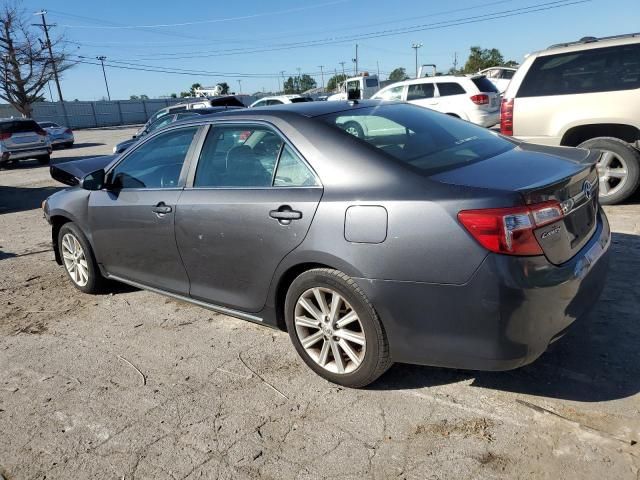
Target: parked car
pixel 166 120
pixel 224 101
pixel 472 98
pixel 499 76
pixel 360 87
pixel 22 139
pixel 58 135
pixel 584 94
pixel 445 244
pixel 280 100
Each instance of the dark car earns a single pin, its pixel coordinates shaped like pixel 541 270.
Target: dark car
pixel 428 241
pixel 166 120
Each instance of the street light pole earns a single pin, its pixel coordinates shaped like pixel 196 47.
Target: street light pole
pixel 283 80
pixel 240 87
pixel 416 46
pixel 53 62
pixel 102 58
pixel 322 75
pixel 299 80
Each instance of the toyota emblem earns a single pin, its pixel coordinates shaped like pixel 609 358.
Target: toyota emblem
pixel 587 189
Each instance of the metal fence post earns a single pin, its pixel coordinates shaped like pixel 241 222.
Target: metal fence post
pixel 120 112
pixel 95 117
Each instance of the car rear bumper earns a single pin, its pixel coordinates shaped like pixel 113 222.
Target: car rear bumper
pixel 504 317
pixel 61 140
pixel 485 119
pixel 27 153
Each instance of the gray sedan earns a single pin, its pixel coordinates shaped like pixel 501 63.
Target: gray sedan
pixel 421 239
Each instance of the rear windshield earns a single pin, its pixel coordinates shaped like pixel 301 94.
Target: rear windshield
pixel 19 126
pixel 301 99
pixel 585 71
pixel 48 124
pixel 427 141
pixel 484 85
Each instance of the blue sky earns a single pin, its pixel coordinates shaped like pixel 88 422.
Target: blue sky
pixel 234 40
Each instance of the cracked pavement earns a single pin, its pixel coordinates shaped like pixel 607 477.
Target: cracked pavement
pixel 70 407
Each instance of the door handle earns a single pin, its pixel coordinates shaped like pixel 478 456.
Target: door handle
pixel 285 214
pixel 161 209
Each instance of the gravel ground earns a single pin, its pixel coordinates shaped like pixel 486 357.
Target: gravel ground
pixel 134 385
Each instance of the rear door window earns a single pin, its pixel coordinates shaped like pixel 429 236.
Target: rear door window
pixel 447 89
pixel 419 91
pixel 597 70
pixel 292 171
pixel 238 156
pixel 394 93
pixel 484 85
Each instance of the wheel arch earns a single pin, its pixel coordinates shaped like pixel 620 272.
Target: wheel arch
pixel 57 221
pixel 578 134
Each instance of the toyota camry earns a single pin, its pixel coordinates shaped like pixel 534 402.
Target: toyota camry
pixel 415 237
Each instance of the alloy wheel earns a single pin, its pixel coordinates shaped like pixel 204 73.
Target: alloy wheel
pixel 330 330
pixel 75 260
pixel 612 173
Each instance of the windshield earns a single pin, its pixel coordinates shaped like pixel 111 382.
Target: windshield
pixel 301 99
pixel 427 141
pixel 484 85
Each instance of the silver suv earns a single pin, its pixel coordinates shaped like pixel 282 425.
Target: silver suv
pixel 21 139
pixel 583 94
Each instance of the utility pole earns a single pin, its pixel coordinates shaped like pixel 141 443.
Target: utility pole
pixel 355 62
pixel 416 46
pixel 455 61
pixel 282 73
pixel 299 80
pixel 342 63
pixel 239 86
pixel 378 68
pixel 322 75
pixel 102 58
pixel 53 62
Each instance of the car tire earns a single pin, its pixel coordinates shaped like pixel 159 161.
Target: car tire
pixel 616 154
pixel 44 160
pixel 356 364
pixel 86 275
pixel 354 128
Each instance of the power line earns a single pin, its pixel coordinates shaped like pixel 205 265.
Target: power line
pixel 384 33
pixel 217 20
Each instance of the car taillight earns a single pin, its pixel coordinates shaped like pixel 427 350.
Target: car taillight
pixel 481 99
pixel 68 131
pixel 5 136
pixel 510 230
pixel 41 132
pixel 506 117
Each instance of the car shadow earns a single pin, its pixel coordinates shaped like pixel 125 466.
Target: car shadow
pixel 19 199
pixel 597 360
pixel 83 145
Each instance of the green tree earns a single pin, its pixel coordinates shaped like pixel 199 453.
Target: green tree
pixel 144 97
pixel 307 83
pixel 481 58
pixel 192 90
pixel 333 82
pixel 225 88
pixel 184 94
pixel 134 97
pixel 173 95
pixel 291 85
pixel 398 74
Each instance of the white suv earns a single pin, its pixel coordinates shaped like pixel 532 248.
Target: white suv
pixel 472 98
pixel 583 94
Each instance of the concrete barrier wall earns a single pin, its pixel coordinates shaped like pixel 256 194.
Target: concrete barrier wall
pixel 94 114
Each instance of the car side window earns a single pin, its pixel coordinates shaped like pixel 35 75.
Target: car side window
pixel 292 171
pixel 394 93
pixel 507 74
pixel 156 163
pixel 238 156
pixel 447 89
pixel 419 91
pixel 274 102
pixel 261 103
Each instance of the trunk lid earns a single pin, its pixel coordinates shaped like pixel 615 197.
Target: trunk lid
pixel 541 174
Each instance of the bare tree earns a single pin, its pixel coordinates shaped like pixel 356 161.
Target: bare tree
pixel 25 63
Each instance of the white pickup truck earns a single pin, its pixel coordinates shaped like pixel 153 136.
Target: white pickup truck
pixel 361 87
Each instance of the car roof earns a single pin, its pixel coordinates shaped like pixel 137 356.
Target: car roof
pixel 305 109
pixel 589 43
pixel 439 78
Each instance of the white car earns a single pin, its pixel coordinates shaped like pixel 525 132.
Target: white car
pixel 583 94
pixel 472 98
pixel 499 76
pixel 280 100
pixel 59 136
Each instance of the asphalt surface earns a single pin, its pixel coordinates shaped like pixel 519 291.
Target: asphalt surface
pixel 133 385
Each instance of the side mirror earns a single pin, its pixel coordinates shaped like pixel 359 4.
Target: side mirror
pixel 353 95
pixel 94 180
